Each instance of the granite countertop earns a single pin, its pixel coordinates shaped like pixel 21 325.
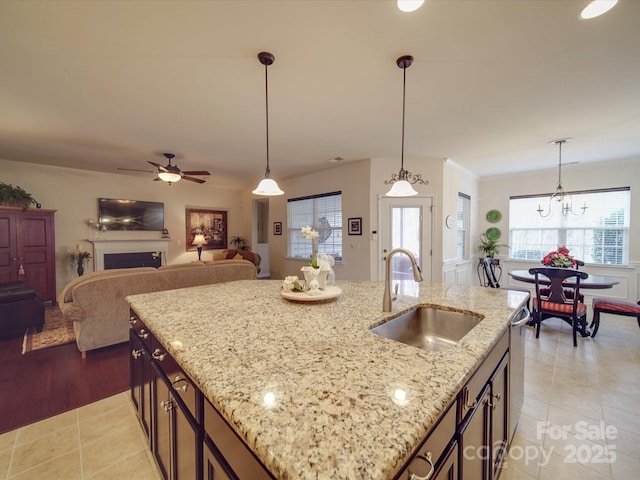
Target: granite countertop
pixel 332 381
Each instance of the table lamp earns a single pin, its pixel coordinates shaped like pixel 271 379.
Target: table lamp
pixel 199 240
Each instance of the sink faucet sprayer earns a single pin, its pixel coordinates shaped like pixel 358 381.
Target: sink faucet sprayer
pixel 417 275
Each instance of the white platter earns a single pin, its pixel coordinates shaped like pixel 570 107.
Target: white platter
pixel 331 291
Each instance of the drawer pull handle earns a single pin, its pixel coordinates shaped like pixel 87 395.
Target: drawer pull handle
pixel 132 320
pixel 184 387
pixel 158 354
pixel 143 334
pixel 167 406
pixel 466 399
pixel 494 404
pixel 426 456
pixel 137 353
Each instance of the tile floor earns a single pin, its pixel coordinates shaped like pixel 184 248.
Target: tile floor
pixel 592 391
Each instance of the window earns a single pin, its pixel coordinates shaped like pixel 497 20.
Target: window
pixel 324 214
pixel 464 203
pixel 599 236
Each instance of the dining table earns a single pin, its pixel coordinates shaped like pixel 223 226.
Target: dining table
pixel 591 282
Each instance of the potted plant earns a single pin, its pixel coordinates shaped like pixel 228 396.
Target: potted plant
pixel 79 258
pixel 15 196
pixel 239 242
pixel 490 247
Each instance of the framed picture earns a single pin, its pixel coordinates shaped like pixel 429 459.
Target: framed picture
pixel 355 226
pixel 211 223
pixel 277 228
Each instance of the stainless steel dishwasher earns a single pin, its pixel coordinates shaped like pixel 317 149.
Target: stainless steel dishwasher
pixel 516 363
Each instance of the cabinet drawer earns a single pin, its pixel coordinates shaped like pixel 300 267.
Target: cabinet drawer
pixel 232 448
pixel 181 385
pixel 473 389
pixel 435 445
pixel 140 330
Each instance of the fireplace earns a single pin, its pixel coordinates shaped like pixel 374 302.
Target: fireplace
pixel 109 254
pixel 132 260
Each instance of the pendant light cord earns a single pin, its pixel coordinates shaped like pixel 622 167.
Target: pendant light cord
pixel 404 88
pixel 266 109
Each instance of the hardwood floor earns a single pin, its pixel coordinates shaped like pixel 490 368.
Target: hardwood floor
pixel 47 382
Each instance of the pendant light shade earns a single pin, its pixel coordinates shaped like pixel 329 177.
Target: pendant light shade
pixel 267 186
pixel 401 184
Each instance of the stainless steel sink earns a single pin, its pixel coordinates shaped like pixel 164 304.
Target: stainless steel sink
pixel 429 328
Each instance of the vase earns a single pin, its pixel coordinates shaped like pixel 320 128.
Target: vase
pixel 80 269
pixel 318 274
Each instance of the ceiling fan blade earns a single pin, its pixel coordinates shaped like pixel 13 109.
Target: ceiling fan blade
pixel 158 166
pixel 136 170
pixel 192 179
pixel 196 172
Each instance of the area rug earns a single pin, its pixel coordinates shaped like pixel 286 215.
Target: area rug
pixel 56 331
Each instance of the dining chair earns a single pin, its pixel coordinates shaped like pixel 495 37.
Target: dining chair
pixel 493 280
pixel 561 301
pixel 614 307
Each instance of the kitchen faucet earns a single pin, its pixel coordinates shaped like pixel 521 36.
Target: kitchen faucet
pixel 417 275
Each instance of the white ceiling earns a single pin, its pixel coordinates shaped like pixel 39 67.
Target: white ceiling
pixel 106 85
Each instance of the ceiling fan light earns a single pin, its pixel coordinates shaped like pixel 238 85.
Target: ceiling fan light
pixel 170 177
pixel 597 8
pixel 409 5
pixel 401 188
pixel 268 187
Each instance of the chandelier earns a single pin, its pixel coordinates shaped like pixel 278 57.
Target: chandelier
pixel 560 197
pixel 401 183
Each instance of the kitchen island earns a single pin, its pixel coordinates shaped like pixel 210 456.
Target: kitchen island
pixel 306 386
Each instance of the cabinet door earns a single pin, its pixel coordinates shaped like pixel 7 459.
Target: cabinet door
pixel 448 469
pixel 38 253
pixel 8 247
pixel 474 441
pixel 184 444
pixel 140 373
pixel 162 425
pixel 499 414
pixel 212 468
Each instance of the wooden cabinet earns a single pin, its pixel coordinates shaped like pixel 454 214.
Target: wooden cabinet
pixel 483 425
pixel 27 249
pixel 141 375
pixel 434 457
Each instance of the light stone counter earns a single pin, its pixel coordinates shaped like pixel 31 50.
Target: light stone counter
pixel 333 381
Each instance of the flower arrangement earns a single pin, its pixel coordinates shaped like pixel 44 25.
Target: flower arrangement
pixel 559 258
pixel 292 284
pixel 308 232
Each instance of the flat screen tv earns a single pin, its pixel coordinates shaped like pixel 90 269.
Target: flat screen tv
pixel 130 215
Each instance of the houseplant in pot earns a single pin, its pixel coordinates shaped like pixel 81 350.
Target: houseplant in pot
pixel 490 247
pixel 15 196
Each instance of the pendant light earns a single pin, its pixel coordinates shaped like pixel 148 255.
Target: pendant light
pixel 267 186
pixel 401 183
pixel 560 197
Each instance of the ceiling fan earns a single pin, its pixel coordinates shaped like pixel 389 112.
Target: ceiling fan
pixel 172 173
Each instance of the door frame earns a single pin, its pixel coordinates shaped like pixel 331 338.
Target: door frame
pixel 380 234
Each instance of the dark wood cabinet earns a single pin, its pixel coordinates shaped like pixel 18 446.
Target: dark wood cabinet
pixel 27 249
pixel 483 429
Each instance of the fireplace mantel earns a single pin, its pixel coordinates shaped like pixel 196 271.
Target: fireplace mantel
pixel 102 247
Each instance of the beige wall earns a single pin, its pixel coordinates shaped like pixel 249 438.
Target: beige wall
pixel 74 194
pixel 353 180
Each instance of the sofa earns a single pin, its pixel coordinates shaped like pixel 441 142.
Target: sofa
pixel 96 302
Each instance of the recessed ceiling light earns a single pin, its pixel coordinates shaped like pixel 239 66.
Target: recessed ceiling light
pixel 597 8
pixel 409 5
pixel 336 159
